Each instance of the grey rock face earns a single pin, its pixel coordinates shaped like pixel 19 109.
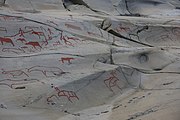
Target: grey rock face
pixel 2 2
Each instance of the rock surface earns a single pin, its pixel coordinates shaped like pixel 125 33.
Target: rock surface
pixel 89 60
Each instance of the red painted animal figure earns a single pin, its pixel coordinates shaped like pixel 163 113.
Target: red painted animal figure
pixel 21 40
pixel 15 73
pixel 65 93
pixel 6 40
pixel 66 40
pixel 68 59
pixel 15 83
pixel 33 44
pixel 39 34
pixel 50 99
pixel 112 81
pixel 13 50
pixel 47 71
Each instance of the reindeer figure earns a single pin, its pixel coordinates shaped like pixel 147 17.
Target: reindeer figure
pixel 47 71
pixel 65 93
pixel 65 40
pixel 112 81
pixel 6 40
pixel 68 59
pixel 33 44
pixel 39 34
pixel 15 73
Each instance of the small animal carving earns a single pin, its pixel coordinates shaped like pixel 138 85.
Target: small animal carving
pixel 6 40
pixel 65 93
pixel 39 34
pixel 68 59
pixel 33 44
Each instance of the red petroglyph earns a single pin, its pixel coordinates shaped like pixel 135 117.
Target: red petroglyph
pixel 13 83
pixel 13 50
pixel 14 73
pixel 49 99
pixel 72 26
pixel 21 40
pixel 72 38
pixel 68 94
pixel 6 40
pixel 33 44
pixel 20 33
pixel 112 81
pixel 68 59
pixel 39 34
pixel 47 71
pixel 66 40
